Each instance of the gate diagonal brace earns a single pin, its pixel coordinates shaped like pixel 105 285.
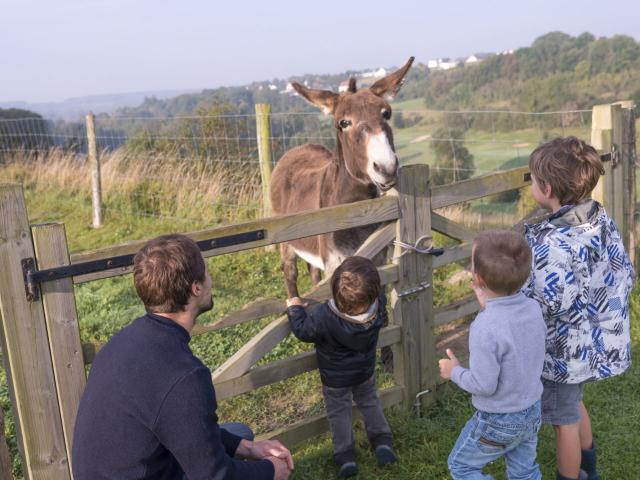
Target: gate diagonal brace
pixel 33 277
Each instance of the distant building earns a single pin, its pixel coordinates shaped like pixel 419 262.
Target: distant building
pixel 379 73
pixel 471 59
pixel 442 64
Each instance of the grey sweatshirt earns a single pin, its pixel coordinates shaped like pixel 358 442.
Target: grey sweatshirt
pixel 506 346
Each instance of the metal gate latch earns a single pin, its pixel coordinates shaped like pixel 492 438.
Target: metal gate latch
pixel 410 291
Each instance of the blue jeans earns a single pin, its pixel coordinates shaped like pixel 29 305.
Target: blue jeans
pixel 488 436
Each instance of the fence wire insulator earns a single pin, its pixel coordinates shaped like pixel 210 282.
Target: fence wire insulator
pixel 407 247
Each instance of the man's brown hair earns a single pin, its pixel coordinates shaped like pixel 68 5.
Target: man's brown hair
pixel 164 270
pixel 569 165
pixel 503 259
pixel 355 285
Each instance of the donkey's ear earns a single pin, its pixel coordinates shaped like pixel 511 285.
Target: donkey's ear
pixel 390 85
pixel 323 99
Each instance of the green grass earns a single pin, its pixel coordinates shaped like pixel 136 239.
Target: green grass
pixel 423 444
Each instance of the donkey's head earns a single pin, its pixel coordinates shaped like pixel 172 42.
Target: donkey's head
pixel 365 140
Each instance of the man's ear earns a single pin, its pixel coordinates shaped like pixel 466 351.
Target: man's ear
pixel 196 289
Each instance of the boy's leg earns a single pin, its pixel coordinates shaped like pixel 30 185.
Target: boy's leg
pixel 368 402
pixel 561 408
pixel 338 405
pixel 586 434
pixel 568 453
pixel 521 459
pixel 587 445
pixel 470 454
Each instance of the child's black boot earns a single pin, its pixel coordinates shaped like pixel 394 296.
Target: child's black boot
pixel 588 463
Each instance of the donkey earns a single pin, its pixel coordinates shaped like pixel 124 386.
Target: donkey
pixel 363 165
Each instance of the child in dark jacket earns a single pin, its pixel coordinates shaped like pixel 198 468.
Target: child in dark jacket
pixel 345 333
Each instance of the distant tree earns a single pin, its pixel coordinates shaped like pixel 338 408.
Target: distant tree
pixel 398 120
pixel 23 130
pixel 453 161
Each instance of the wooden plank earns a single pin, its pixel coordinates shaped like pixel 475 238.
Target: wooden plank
pixel 629 161
pixel 454 311
pixel 5 458
pixel 453 254
pixel 618 194
pixel 416 355
pixel 278 229
pixel 250 353
pixel 286 368
pixel 450 228
pixel 264 307
pixel 25 347
pixel 316 425
pixel 58 298
pixel 94 164
pixel 263 133
pixel 388 274
pixel 478 187
pixel 601 125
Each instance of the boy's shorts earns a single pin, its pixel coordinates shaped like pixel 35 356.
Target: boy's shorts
pixel 561 402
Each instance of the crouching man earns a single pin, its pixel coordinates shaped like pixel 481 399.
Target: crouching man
pixel 149 407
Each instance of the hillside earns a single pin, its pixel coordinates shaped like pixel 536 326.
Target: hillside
pixel 557 72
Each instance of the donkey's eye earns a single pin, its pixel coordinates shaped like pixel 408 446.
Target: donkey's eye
pixel 386 114
pixel 344 124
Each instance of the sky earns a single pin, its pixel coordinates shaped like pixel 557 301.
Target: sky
pixel 54 50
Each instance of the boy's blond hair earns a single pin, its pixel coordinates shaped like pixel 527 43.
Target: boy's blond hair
pixel 502 258
pixel 569 165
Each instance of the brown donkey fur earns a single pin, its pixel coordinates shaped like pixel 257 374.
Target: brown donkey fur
pixel 363 165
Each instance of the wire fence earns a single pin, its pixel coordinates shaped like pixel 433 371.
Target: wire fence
pixel 202 168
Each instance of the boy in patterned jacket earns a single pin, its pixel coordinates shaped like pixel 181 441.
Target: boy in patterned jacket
pixel 582 277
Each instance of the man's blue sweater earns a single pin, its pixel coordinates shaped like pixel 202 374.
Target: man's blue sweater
pixel 149 412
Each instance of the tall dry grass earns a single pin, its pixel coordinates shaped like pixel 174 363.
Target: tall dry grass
pixel 160 185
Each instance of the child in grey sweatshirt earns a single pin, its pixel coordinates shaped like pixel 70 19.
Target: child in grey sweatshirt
pixel 506 347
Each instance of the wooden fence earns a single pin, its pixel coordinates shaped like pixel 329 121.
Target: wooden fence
pixel 46 361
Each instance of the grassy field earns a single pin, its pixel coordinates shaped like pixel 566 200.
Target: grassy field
pixel 56 191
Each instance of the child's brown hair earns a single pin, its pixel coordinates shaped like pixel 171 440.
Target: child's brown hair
pixel 503 259
pixel 355 285
pixel 571 166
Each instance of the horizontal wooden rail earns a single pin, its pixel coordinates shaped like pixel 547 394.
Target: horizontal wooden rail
pixel 450 228
pixel 453 254
pixel 278 229
pixel 456 310
pixel 288 367
pixel 316 425
pixel 253 311
pixel 272 306
pixel 478 187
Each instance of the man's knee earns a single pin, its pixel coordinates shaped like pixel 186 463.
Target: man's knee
pixel 239 429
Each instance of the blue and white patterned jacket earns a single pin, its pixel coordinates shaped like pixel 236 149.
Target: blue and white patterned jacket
pixel 582 277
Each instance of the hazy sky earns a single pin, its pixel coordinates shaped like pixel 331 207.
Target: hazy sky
pixel 52 50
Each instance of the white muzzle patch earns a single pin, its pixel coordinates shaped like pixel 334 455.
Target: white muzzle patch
pixel 379 151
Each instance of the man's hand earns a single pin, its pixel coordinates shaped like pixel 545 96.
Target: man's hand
pixel 281 470
pixel 447 365
pixel 296 301
pixel 265 449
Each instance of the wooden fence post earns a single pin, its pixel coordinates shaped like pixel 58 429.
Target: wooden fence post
pixel 263 134
pixel 5 458
pixel 94 164
pixel 26 353
pixel 50 243
pixel 627 160
pixel 415 359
